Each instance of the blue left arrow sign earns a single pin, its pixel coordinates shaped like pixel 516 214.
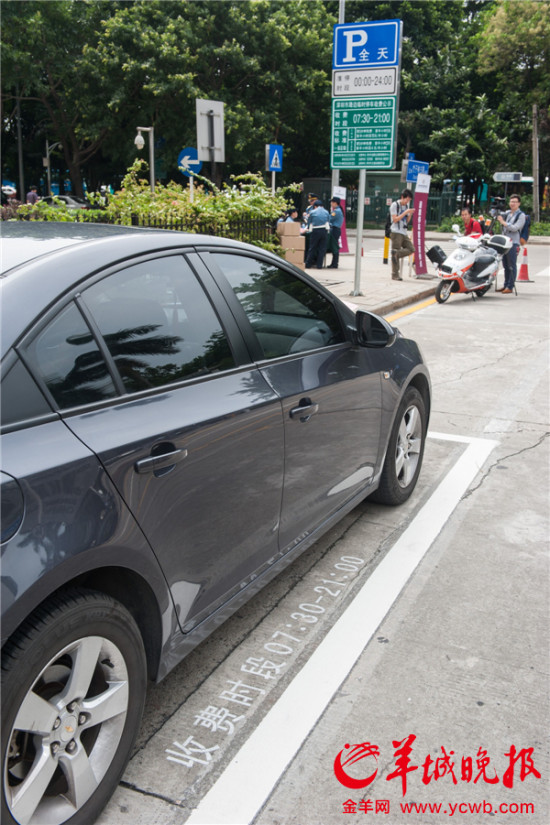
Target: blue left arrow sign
pixel 188 161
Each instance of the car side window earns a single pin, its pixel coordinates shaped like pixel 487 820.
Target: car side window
pixel 158 324
pixel 66 356
pixel 287 314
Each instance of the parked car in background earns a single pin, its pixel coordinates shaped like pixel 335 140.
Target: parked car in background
pixel 69 201
pixel 181 417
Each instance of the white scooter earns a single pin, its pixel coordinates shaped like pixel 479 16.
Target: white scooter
pixel 472 267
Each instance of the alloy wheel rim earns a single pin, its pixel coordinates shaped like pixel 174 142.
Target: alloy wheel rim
pixel 66 732
pixel 409 444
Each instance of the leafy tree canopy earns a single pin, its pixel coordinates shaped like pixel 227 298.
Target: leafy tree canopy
pixel 87 73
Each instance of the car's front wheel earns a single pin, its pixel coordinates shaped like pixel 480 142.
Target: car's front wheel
pixel 405 451
pixel 73 689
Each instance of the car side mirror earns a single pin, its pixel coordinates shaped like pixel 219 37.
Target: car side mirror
pixel 373 331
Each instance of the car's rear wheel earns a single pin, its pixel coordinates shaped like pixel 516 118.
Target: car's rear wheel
pixel 405 451
pixel 73 689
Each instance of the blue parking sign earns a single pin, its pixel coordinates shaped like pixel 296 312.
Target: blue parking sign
pixel 367 45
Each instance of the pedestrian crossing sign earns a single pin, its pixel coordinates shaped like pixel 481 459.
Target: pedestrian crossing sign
pixel 274 157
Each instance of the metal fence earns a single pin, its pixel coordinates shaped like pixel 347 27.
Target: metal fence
pixel 249 230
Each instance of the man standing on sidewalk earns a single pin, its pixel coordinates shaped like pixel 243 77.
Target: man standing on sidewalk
pixel 512 224
pixel 401 246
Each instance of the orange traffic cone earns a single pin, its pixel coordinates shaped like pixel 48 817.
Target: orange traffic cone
pixel 523 270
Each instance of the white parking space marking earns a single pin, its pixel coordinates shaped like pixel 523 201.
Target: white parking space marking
pixel 248 780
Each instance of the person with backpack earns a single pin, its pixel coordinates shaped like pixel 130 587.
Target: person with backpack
pixel 512 223
pixel 526 231
pixel 401 245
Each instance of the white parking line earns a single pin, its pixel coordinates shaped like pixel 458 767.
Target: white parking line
pixel 248 780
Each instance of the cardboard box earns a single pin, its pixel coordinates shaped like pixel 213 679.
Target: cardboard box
pixel 293 242
pixel 295 256
pixel 290 228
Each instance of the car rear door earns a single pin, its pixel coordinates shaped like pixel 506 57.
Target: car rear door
pixel 193 440
pixel 330 389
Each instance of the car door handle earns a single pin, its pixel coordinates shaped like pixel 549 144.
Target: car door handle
pixel 159 462
pixel 305 410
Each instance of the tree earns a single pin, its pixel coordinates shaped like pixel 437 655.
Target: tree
pixel 95 80
pixel 42 64
pixel 468 148
pixel 88 73
pixel 268 62
pixel 433 71
pixel 514 50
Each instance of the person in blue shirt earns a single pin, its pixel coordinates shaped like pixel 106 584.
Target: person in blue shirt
pixel 311 198
pixel 291 215
pixel 336 219
pixel 317 223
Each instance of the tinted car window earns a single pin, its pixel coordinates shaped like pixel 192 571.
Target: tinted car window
pixel 20 397
pixel 158 324
pixel 287 314
pixel 66 356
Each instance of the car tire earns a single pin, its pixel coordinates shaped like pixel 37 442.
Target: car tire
pixel 405 451
pixel 73 688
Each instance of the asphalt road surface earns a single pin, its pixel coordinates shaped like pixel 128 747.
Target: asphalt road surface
pixel 398 671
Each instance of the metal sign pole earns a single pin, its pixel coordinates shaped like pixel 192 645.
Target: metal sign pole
pixel 360 216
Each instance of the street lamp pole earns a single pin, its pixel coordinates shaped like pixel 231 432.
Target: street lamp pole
pixel 140 143
pixel 49 150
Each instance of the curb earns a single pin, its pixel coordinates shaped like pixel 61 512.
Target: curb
pixel 385 309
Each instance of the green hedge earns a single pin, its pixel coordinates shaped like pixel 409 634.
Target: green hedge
pixel 247 198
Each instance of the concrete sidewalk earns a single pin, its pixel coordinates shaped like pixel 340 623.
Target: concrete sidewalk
pixel 379 293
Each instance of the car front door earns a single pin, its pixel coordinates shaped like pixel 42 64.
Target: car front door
pixel 193 440
pixel 330 390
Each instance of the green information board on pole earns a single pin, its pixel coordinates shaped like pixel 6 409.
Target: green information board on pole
pixel 363 132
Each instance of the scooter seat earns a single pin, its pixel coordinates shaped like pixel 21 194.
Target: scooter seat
pixel 481 264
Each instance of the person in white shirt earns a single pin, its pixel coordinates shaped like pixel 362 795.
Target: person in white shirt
pixel 401 245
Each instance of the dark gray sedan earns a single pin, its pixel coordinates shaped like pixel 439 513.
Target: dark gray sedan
pixel 181 417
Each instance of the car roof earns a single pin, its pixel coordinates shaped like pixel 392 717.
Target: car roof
pixel 22 241
pixel 41 260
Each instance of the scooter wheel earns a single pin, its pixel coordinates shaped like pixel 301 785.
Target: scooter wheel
pixel 481 292
pixel 443 291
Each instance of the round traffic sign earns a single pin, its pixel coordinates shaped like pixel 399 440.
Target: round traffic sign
pixel 188 161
